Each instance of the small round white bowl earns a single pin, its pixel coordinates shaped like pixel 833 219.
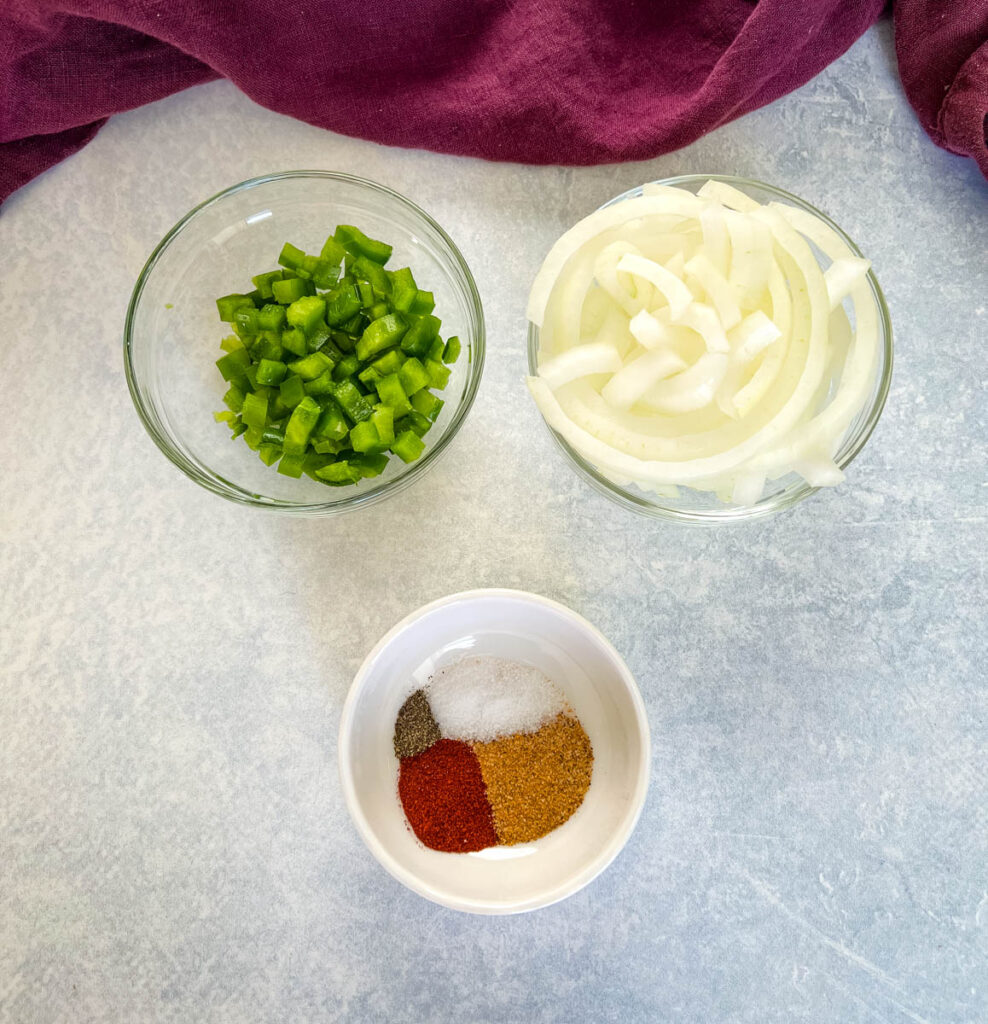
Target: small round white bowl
pixel 602 692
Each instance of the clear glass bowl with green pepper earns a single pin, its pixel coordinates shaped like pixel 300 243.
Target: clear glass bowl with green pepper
pixel 225 353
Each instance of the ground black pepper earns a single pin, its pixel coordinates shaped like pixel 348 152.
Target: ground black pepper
pixel 415 728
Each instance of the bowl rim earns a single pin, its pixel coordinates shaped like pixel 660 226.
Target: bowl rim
pixel 653 506
pixel 216 483
pixel 618 838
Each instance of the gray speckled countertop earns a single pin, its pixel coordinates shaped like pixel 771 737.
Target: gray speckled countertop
pixel 173 842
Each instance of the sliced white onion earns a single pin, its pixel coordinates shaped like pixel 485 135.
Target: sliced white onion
pixel 674 201
pixel 676 293
pixel 692 389
pixel 637 376
pixel 754 333
pixel 704 320
pixel 694 340
pixel 647 330
pixel 842 275
pixel 718 290
pixel 581 361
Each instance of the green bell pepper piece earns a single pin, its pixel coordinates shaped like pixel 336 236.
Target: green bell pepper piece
pixel 413 376
pixel 269 453
pixel 438 374
pixel 233 367
pixel 419 337
pixel 332 426
pixel 324 384
pixel 353 403
pixel 383 419
pixel 332 251
pixel 292 391
pixel 289 290
pixel 255 410
pixel 294 340
pixel 347 367
pixel 338 474
pixel 452 350
pixel 312 366
pixel 228 305
pixel 408 446
pixel 291 464
pixel 391 393
pixel 368 464
pixel 271 317
pixel 355 242
pixel 263 282
pixel 426 403
pixel 303 421
pixel 306 313
pixel 403 290
pixel 365 438
pixel 234 398
pixel 380 334
pixel 424 303
pixel 342 304
pixel 271 371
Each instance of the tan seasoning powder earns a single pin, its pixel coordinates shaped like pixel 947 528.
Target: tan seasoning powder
pixel 536 781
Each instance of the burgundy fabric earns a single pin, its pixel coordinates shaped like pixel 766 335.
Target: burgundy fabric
pixel 942 48
pixel 537 81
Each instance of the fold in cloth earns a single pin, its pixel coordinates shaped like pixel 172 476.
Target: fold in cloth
pixel 535 81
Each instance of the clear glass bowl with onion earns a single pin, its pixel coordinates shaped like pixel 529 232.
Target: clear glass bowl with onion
pixel 803 449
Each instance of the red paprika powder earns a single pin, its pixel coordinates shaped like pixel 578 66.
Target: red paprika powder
pixel 445 799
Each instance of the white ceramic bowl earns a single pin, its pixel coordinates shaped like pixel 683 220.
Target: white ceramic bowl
pixel 602 692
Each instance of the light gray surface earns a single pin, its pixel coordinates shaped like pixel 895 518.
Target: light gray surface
pixel 173 844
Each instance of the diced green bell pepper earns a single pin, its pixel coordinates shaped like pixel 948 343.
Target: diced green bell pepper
pixel 263 282
pixel 391 393
pixel 408 446
pixel 269 453
pixel 271 317
pixel 342 304
pixel 312 366
pixel 403 290
pixel 347 367
pixel 413 376
pixel 228 305
pixel 292 391
pixel 452 350
pixel 332 426
pixel 339 474
pixel 287 291
pixel 354 241
pixel 426 403
pixel 291 464
pixel 424 303
pixel 380 334
pixel 255 410
pixel 306 313
pixel 294 340
pixel 383 419
pixel 419 337
pixel 353 403
pixel 271 371
pixel 368 464
pixel 303 421
pixel 438 374
pixel 365 438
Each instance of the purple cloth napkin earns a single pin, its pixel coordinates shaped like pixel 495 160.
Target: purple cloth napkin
pixel 537 81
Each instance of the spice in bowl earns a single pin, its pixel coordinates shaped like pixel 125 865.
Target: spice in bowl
pixel 490 755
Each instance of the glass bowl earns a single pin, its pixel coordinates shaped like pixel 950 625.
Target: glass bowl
pixel 701 508
pixel 172 335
